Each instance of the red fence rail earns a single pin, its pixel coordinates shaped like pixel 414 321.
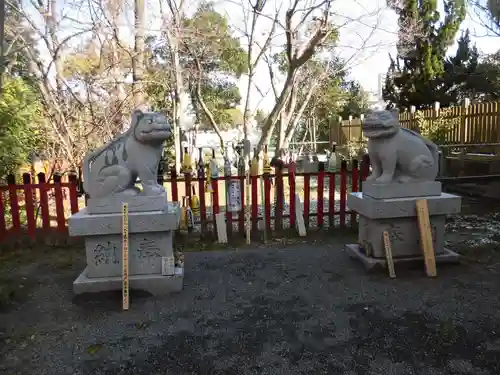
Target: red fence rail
pixel 37 206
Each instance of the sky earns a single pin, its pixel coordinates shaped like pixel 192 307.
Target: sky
pixel 368 33
pixel 367 37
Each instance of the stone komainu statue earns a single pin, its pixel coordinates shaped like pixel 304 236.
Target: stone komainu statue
pixel 398 154
pixel 113 168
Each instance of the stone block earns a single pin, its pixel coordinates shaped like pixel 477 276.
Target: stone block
pixel 402 207
pixel 137 203
pixel 154 284
pixel 84 224
pixel 378 264
pixel 397 190
pixel 404 235
pixel 104 253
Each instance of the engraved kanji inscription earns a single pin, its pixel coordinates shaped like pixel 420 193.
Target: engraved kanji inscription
pixel 105 254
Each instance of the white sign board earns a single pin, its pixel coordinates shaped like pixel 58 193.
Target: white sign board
pixel 234 196
pixel 168 266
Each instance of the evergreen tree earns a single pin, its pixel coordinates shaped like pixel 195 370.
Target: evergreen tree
pixel 465 77
pixel 423 42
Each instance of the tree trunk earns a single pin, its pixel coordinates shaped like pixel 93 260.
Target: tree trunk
pixel 119 95
pixel 139 51
pixel 178 92
pixel 269 124
pixel 208 113
pixel 293 124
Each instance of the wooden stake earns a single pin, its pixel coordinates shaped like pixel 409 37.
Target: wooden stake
pixel 426 237
pixel 247 208
pixel 125 285
pixel 263 201
pixel 388 255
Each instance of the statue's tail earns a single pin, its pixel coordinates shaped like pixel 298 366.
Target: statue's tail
pixel 87 161
pixel 433 148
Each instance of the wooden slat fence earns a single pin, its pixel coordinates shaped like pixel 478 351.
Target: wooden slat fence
pixel 469 124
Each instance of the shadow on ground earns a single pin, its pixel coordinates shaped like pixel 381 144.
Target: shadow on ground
pixel 306 309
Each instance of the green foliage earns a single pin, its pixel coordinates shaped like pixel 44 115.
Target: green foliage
pixel 413 75
pixel 213 57
pixel 221 97
pixel 355 101
pixel 259 117
pixel 209 39
pixel 210 57
pixel 19 114
pixel 437 129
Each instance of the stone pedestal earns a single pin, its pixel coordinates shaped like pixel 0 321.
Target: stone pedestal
pixel 150 245
pixel 379 213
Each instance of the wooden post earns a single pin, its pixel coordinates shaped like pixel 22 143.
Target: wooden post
pixel 413 124
pixel 464 123
pixel 125 286
pixel 388 255
pixel 426 237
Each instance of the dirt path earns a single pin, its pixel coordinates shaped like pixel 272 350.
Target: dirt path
pixel 301 310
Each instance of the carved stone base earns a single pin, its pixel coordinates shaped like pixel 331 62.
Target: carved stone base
pixel 374 264
pixel 399 217
pixel 397 190
pixel 136 203
pixel 404 235
pixel 146 250
pixel 150 240
pixel 154 284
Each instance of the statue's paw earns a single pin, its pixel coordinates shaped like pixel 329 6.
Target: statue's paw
pixel 383 180
pixel 371 178
pixel 405 179
pixel 131 191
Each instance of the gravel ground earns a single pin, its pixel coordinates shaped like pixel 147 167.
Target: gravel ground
pixel 299 310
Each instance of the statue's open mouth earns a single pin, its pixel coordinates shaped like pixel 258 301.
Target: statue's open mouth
pixel 375 126
pixel 157 130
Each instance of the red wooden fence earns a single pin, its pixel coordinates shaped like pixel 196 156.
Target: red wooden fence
pixel 37 207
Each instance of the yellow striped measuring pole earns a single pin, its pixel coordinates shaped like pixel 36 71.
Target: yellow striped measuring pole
pixel 125 286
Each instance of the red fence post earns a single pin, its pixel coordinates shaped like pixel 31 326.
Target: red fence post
pixel 354 187
pixel 280 195
pixel 321 186
pixel 267 201
pixel 307 198
pixel 44 201
pixel 14 203
pixel 3 227
pixel 343 192
pixel 73 193
pixel 201 192
pixel 173 184
pixel 241 215
pixel 229 214
pixel 291 184
pixel 255 203
pixel 58 195
pixel 331 199
pixel 215 202
pixel 29 205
